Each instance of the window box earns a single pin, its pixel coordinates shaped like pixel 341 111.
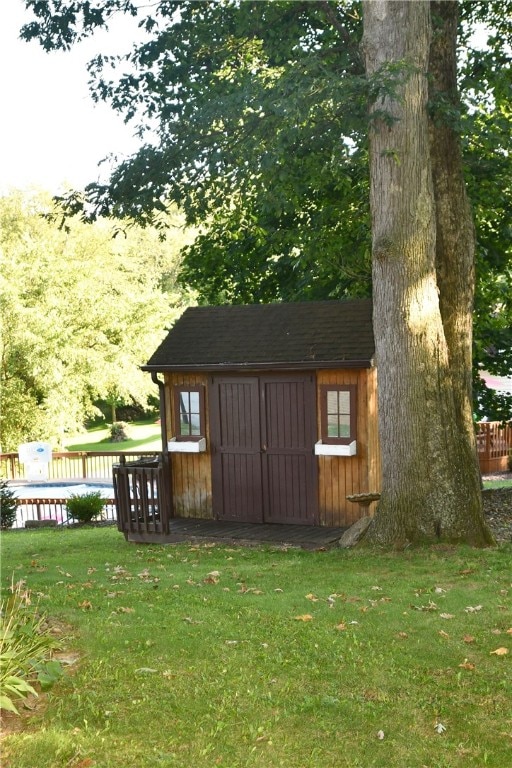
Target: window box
pixel 335 449
pixel 186 446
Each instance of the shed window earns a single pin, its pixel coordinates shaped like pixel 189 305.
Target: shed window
pixel 338 413
pixel 189 412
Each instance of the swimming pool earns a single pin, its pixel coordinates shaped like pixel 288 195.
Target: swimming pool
pixel 47 501
pixel 60 490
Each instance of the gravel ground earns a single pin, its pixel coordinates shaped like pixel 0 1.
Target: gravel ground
pixel 498 508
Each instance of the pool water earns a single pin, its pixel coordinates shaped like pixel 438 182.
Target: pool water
pixel 60 490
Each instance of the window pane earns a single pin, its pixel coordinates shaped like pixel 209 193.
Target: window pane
pixel 344 426
pixel 190 417
pixel 332 426
pixel 344 402
pixel 332 401
pixel 338 413
pixel 194 401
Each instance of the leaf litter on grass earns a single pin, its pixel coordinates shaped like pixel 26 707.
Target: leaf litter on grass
pixel 317 669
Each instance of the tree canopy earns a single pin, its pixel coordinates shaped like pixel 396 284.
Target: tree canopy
pixel 80 313
pixel 255 121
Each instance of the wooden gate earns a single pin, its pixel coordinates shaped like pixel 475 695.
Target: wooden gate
pixel 263 432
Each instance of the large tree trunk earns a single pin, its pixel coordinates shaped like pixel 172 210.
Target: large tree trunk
pixel 455 233
pixel 425 495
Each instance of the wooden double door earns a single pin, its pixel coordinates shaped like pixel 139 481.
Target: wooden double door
pixel 262 433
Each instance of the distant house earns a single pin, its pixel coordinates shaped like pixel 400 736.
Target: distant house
pixel 269 412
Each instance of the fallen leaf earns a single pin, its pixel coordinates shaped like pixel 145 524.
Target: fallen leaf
pixel 444 634
pixel 447 615
pixel 304 617
pixel 473 608
pixel 468 639
pixel 403 635
pixel 500 652
pixel 431 606
pixel 341 627
pixel 440 728
pixel 85 763
pixel 211 579
pixel 509 631
pixel 85 605
pixel 467 665
pixel 380 735
pixel 466 572
pixel 122 609
pixel 313 598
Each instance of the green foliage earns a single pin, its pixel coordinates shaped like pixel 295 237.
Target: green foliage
pixel 258 120
pixel 81 311
pixel 119 432
pixel 26 647
pixel 218 636
pixel 85 507
pixel 8 505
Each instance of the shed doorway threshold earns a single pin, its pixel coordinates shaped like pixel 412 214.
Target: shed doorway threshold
pixel 217 531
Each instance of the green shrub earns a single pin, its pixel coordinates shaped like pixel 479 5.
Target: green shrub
pixel 85 507
pixel 8 505
pixel 119 432
pixel 26 647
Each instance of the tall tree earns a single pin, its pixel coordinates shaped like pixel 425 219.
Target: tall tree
pixel 261 136
pixel 79 312
pixel 430 479
pixel 258 111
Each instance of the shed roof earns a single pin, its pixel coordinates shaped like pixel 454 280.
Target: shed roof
pixel 315 334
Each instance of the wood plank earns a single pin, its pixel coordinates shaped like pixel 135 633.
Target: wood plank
pixel 310 537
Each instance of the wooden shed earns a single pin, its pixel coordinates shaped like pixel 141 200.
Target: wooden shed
pixel 269 413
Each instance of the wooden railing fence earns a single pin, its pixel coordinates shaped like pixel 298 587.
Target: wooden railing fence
pixel 494 443
pixel 55 509
pixel 73 465
pixel 69 465
pixel 141 499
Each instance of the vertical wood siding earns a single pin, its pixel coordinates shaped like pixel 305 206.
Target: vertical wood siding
pixel 374 465
pixel 340 476
pixel 191 472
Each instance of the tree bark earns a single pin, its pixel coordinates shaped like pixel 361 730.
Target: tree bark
pixel 426 496
pixel 455 233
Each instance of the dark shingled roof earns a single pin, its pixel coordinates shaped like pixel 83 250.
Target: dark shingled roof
pixel 305 335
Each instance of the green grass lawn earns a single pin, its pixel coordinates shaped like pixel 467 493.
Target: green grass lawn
pixel 497 483
pixel 144 435
pixel 211 655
